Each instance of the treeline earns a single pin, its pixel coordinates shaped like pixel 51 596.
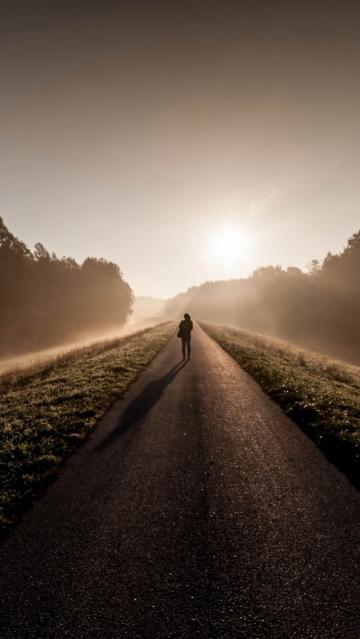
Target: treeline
pixel 46 301
pixel 319 309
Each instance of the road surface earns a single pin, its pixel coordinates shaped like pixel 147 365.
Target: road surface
pixel 195 510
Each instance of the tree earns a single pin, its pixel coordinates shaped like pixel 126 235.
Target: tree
pixel 46 300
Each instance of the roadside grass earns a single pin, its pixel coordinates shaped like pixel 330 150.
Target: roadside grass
pixel 321 395
pixel 48 410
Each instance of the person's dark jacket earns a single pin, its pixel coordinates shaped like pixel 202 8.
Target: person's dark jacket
pixel 185 328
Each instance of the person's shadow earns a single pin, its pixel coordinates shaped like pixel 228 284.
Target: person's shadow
pixel 141 405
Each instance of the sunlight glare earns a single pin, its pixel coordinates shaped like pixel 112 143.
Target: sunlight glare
pixel 231 244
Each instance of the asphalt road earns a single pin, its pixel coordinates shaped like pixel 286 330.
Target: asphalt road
pixel 195 510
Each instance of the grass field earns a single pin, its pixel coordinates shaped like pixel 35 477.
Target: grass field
pixel 48 410
pixel 321 395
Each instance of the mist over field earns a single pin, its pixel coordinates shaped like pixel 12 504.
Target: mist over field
pixel 318 309
pixel 146 309
pixel 50 305
pixel 48 301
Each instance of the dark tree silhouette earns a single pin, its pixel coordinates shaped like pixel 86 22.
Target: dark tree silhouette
pixel 46 300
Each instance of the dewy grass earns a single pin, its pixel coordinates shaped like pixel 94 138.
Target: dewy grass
pixel 47 411
pixel 321 395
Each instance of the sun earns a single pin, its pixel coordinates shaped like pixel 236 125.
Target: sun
pixel 231 244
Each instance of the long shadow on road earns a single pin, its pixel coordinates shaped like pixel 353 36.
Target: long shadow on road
pixel 141 405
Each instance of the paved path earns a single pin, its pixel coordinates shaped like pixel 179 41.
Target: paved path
pixel 195 510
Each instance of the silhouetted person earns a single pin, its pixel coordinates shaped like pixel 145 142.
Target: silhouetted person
pixel 185 328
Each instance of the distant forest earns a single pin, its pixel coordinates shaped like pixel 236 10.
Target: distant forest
pixel 319 309
pixel 46 300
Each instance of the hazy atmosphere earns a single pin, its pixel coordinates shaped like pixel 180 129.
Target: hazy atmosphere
pixel 179 319
pixel 167 136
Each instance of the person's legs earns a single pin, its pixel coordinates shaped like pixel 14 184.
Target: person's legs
pixel 183 342
pixel 188 343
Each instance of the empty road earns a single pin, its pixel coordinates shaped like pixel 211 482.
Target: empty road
pixel 196 509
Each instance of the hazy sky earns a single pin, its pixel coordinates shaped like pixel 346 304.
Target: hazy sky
pixel 162 134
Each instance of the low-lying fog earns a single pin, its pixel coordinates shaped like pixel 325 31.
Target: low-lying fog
pixel 136 323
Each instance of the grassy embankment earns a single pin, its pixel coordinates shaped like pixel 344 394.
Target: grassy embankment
pixel 321 395
pixel 47 411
